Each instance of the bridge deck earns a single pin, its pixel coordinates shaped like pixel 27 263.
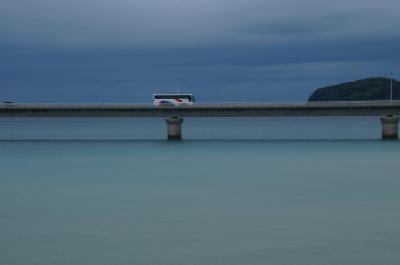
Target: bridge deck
pixel 342 108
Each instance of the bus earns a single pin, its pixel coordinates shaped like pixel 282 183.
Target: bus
pixel 173 99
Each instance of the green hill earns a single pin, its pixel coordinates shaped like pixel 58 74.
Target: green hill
pixel 377 88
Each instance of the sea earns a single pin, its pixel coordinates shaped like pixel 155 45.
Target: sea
pixel 234 191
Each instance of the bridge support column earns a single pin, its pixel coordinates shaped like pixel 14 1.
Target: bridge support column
pixel 390 126
pixel 174 128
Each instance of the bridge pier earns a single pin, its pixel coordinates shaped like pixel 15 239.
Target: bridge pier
pixel 390 126
pixel 174 128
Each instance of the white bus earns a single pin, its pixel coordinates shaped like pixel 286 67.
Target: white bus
pixel 173 99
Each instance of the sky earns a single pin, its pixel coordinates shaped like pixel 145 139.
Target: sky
pixel 218 50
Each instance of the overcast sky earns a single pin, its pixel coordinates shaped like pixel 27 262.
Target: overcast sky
pixel 219 50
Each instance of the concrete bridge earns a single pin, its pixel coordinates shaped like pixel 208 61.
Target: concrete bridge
pixel 387 110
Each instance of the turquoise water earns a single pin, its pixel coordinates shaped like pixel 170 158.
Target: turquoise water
pixel 255 191
pixel 193 129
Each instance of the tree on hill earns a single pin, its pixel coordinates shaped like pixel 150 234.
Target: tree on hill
pixel 377 88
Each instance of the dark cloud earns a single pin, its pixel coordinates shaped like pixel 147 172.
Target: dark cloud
pixel 302 28
pixel 185 23
pixel 214 74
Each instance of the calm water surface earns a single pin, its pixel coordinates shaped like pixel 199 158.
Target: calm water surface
pixel 255 191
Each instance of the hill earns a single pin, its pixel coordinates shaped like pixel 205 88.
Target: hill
pixel 377 88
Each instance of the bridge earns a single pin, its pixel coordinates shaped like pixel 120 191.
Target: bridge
pixel 387 110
